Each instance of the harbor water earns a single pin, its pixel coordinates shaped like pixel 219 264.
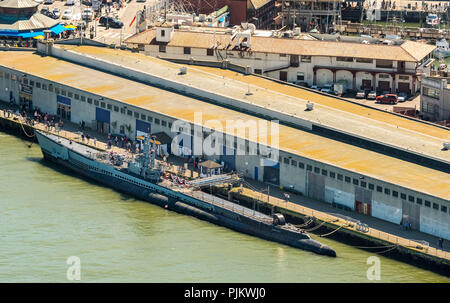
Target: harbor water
pixel 47 215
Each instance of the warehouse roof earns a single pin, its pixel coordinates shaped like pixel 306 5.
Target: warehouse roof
pixel 305 144
pixel 407 51
pixel 372 124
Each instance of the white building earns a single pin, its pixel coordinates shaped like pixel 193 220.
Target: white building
pixel 295 57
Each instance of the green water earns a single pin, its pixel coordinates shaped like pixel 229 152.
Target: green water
pixel 48 215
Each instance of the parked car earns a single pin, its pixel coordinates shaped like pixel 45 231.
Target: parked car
pixel 372 95
pixel 44 10
pixel 67 15
pixel 56 12
pixel 48 1
pixel 314 87
pixel 402 97
pixel 327 88
pixel 70 2
pixel 87 14
pixel 51 15
pixel 112 22
pixel 361 94
pixel 388 99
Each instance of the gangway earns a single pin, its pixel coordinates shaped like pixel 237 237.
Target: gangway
pixel 215 180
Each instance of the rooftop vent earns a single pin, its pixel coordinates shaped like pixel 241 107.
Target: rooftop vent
pixel 309 106
pixel 446 145
pixel 183 70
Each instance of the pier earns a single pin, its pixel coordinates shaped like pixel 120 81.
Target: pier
pixel 315 217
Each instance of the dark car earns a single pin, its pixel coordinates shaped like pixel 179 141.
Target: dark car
pixel 112 22
pixel 388 99
pixel 44 10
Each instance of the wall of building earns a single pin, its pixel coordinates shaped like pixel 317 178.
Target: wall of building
pixel 260 62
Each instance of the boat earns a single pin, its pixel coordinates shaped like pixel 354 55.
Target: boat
pixel 442 49
pixel 143 177
pixel 433 20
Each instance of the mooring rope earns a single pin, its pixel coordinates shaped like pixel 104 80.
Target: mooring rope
pixel 23 128
pixel 332 232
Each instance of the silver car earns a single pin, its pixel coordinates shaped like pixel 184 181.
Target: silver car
pixel 372 95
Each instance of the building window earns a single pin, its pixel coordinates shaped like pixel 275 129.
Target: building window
pixel 419 201
pixel 384 63
pixel 363 184
pixel 344 59
pixel 77 97
pixel 403 77
pixel 163 123
pixel 187 50
pixel 143 117
pixel 258 71
pixel 324 172
pixel 162 48
pixel 70 95
pixel 136 115
pixel 427 203
pixel 411 198
pixel 129 113
pixel 102 104
pixel 383 76
pixel 286 160
pixel 364 60
pixel 301 165
pixel 89 100
pixel 332 174
pixel 403 196
pixel 163 33
pixel 38 84
pixel 109 106
pixel 50 87
pixel 300 76
pixel 116 108
pixel 309 167
pixel 435 205
pixel 31 82
pixel 371 186
pixel 348 179
pixel 6 75
pixel 122 129
pixel 340 177
pixel 431 92
pixel 443 208
pixel 306 59
pixel 63 92
pixel 355 181
pixel 83 98
pixel 379 189
pixel 149 119
pixel 317 170
pixel 209 52
pixel 44 86
pixel 170 125
pixel 156 121
pixel 395 193
pixel 282 55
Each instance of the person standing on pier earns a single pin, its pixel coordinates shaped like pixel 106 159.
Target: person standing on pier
pixel 441 243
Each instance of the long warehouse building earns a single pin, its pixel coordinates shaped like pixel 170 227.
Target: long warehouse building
pixel 317 166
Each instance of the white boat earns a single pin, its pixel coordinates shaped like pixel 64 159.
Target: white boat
pixel 442 49
pixel 433 20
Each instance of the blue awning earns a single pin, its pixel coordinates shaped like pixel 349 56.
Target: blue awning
pixel 30 35
pixel 58 29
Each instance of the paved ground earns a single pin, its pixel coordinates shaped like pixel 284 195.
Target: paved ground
pixel 101 34
pixel 413 102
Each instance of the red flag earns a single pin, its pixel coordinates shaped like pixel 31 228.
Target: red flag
pixel 132 21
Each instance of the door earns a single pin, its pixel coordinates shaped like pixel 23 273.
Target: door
pixel 403 87
pixel 359 207
pixel 283 76
pixel 366 84
pixel 363 200
pixel 384 86
pixel 316 186
pixel 256 173
pixel 411 214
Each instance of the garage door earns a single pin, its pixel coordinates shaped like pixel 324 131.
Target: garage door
pixel 366 84
pixel 384 86
pixel 403 87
